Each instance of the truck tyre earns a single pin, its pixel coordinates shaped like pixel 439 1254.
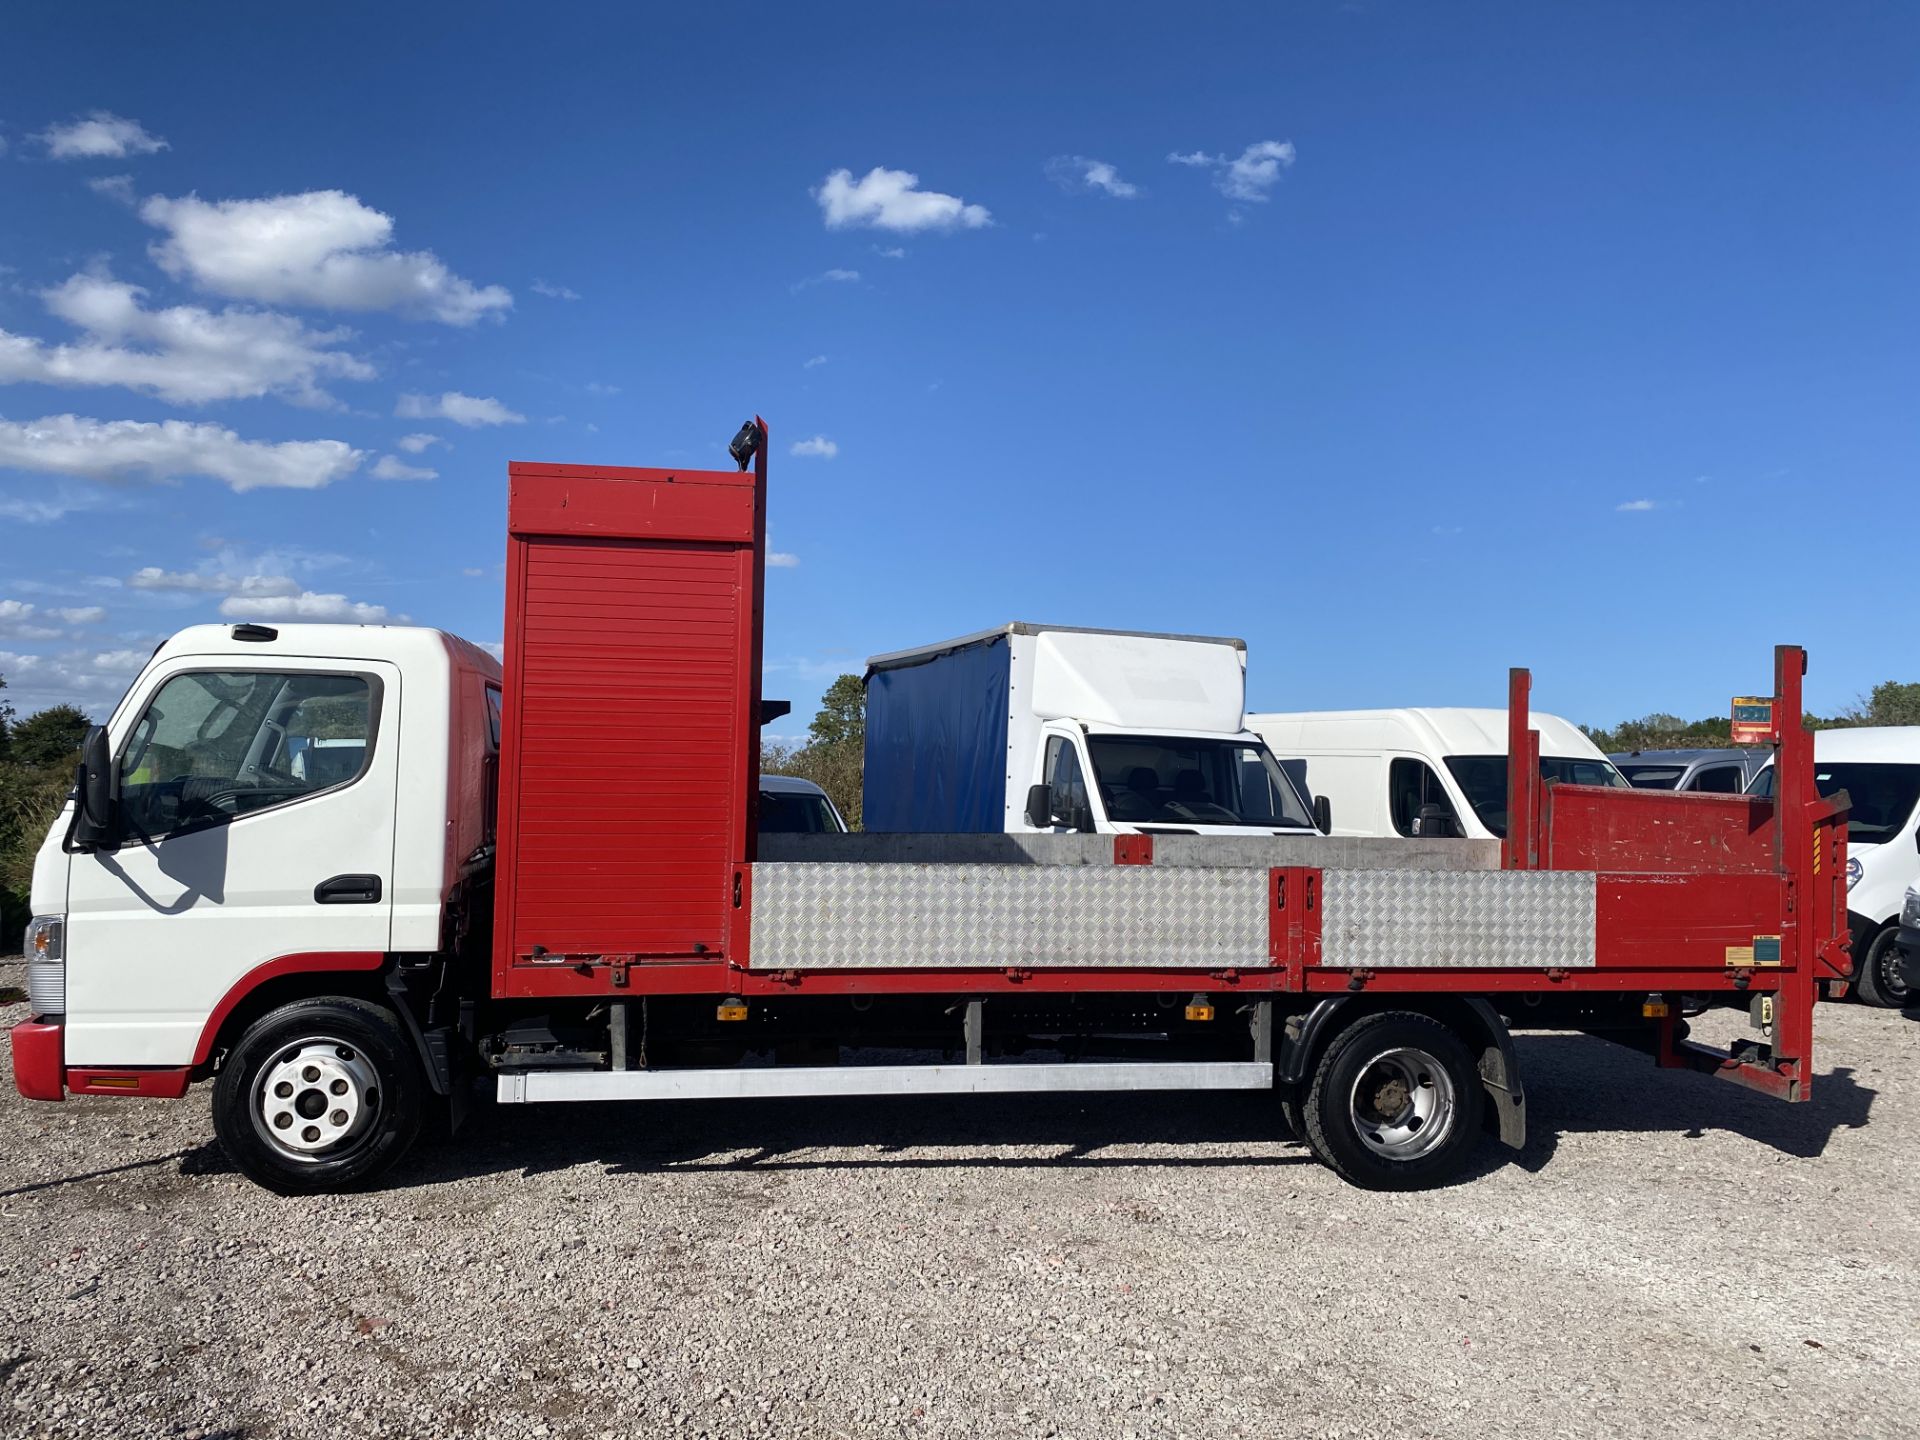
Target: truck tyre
pixel 1395 1103
pixel 1878 976
pixel 319 1095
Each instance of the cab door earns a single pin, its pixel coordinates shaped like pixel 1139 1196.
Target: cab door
pixel 256 811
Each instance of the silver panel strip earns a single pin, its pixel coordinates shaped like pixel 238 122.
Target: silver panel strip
pixel 1254 852
pixel 1408 919
pixel 546 1085
pixel 868 917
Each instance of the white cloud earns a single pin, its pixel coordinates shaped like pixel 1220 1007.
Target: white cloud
pixel 1637 505
pixel 117 188
pixel 101 135
pixel 17 622
pixel 184 354
pixel 494 648
pixel 468 410
pixel 472 572
pixel 44 510
pixel 890 252
pixel 819 446
pixel 152 577
pixel 596 387
pixel 417 444
pixel 892 200
pixel 389 467
pixel 1081 172
pixel 827 277
pixel 321 248
pixel 1250 176
pixel 814 364
pixel 554 292
pixel 80 614
pixel 781 560
pixel 324 609
pixel 92 680
pixel 169 449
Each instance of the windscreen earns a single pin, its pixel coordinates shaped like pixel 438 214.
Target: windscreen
pixel 1883 796
pixel 1651 777
pixel 1484 780
pixel 1146 779
pixel 788 813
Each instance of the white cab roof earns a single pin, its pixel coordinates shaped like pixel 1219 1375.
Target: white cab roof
pixel 397 643
pixel 1894 744
pixel 1423 730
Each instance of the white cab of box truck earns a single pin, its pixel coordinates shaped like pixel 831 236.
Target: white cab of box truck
pixel 1879 768
pixel 1426 772
pixel 263 857
pixel 1038 729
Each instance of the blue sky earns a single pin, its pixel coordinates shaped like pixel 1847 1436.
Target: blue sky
pixel 1455 337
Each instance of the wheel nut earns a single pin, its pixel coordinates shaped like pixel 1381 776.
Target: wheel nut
pixel 283 1089
pixel 310 1134
pixel 310 1073
pixel 282 1120
pixel 339 1087
pixel 339 1117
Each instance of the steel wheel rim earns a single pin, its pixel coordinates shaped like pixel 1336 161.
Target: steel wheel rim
pixel 1402 1104
pixel 1890 972
pixel 316 1100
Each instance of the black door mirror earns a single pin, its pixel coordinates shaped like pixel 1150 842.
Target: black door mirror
pixel 1435 820
pixel 96 795
pixel 1039 807
pixel 1323 814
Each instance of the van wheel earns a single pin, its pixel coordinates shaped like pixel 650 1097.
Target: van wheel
pixel 1877 973
pixel 319 1095
pixel 1395 1103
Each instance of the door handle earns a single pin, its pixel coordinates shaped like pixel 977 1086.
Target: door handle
pixel 348 890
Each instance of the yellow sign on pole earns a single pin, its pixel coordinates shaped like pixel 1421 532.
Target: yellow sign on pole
pixel 1753 719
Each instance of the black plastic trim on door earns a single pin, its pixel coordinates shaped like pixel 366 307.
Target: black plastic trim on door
pixel 348 890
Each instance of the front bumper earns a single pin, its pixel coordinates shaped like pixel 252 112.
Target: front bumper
pixel 39 1059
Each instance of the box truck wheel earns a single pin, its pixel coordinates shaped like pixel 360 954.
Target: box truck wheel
pixel 319 1095
pixel 1394 1103
pixel 1877 973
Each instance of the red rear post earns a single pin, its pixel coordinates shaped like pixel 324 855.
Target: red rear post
pixel 1520 847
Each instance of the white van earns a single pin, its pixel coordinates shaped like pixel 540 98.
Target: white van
pixel 1421 771
pixel 1879 768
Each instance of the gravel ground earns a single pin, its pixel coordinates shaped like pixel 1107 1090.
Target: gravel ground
pixel 1670 1255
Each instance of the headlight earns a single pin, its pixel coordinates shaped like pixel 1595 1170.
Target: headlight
pixel 1853 871
pixel 1910 912
pixel 46 947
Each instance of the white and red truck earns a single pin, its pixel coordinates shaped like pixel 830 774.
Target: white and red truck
pixel 348 873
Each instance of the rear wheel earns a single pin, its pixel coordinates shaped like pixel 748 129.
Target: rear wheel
pixel 319 1095
pixel 1878 975
pixel 1395 1103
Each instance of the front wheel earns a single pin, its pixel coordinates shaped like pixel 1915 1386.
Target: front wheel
pixel 319 1095
pixel 1395 1103
pixel 1878 976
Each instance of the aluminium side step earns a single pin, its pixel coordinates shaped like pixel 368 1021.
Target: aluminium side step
pixel 532 1086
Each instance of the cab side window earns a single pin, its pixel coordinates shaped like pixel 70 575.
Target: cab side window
pixel 217 744
pixel 1716 780
pixel 1412 786
pixel 1066 786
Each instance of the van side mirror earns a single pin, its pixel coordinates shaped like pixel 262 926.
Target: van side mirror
pixel 1323 814
pixel 1039 807
pixel 96 795
pixel 1434 820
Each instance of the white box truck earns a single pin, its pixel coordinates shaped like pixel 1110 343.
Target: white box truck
pixel 1426 772
pixel 1038 729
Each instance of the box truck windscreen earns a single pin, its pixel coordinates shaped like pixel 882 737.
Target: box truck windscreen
pixel 1149 779
pixel 1483 779
pixel 1882 796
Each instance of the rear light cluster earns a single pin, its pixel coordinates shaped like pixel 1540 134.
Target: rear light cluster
pixel 46 948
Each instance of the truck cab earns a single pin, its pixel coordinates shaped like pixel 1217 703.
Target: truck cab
pixel 1422 772
pixel 280 793
pixel 1039 729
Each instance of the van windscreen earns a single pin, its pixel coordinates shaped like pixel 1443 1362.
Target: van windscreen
pixel 1484 779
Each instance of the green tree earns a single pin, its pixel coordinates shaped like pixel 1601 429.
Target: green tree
pixel 842 719
pixel 49 736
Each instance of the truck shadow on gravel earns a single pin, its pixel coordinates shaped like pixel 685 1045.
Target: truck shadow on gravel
pixel 1575 1085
